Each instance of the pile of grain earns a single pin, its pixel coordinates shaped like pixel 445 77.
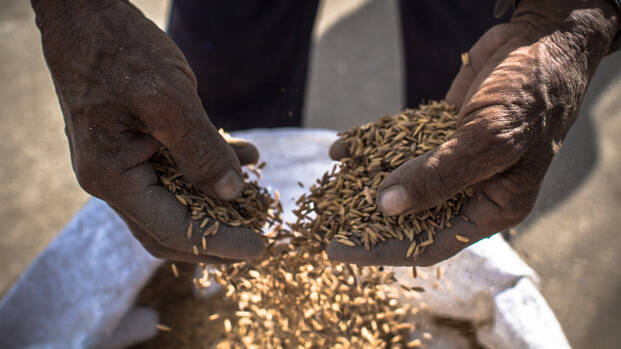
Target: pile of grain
pixel 341 205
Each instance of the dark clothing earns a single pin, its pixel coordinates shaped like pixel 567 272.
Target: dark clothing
pixel 434 34
pixel 251 57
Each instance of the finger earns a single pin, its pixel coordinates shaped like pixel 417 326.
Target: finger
pixel 478 56
pixel 159 251
pixel 202 154
pixel 246 152
pixel 504 200
pixel 338 150
pixel 154 210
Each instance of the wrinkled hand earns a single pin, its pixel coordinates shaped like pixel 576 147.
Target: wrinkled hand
pixel 518 98
pixel 125 90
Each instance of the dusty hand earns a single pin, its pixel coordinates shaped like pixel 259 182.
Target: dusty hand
pixel 125 90
pixel 518 98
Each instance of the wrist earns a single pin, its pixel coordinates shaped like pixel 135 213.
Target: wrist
pixel 590 25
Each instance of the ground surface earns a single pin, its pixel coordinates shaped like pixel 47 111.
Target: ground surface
pixel 571 238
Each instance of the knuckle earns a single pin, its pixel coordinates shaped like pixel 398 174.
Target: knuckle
pixel 162 102
pixel 499 140
pixel 503 138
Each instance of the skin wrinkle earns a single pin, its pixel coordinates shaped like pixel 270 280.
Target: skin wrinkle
pixel 438 194
pixel 129 82
pixel 570 43
pixel 517 109
pixel 490 142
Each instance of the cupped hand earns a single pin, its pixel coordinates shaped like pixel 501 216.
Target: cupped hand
pixel 125 91
pixel 518 96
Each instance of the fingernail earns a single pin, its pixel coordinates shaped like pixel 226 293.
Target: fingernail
pixel 229 186
pixel 394 200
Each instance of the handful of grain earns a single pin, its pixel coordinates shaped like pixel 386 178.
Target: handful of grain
pixel 253 209
pixel 342 206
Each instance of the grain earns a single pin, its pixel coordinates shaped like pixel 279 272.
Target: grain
pixel 298 298
pixel 174 269
pixel 461 238
pixel 343 199
pixel 213 229
pixel 253 209
pixel 163 328
pixel 188 233
pixel 465 59
pixel 416 343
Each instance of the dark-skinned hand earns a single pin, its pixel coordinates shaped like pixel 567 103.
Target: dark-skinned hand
pixel 126 90
pixel 517 98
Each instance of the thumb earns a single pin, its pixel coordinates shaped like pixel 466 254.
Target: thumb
pixel 472 155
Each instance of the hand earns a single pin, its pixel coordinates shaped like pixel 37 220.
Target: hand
pixel 125 90
pixel 518 98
